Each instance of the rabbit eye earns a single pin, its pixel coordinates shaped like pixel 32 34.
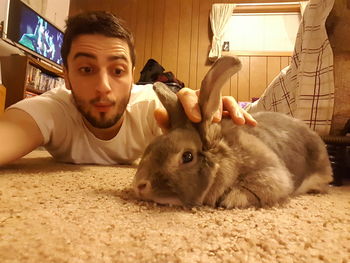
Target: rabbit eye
pixel 187 157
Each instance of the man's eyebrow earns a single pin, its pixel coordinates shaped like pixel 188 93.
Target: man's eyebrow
pixel 122 57
pixel 110 58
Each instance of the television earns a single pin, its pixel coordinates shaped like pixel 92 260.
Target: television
pixel 32 33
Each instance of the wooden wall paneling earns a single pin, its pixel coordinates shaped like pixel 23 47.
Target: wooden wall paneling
pixel 123 11
pixel 158 30
pixel 79 6
pixel 184 52
pixel 194 45
pixel 128 12
pixel 132 20
pixel 203 40
pixel 243 91
pixel 103 5
pixel 273 68
pixel 149 32
pixel 171 35
pixel 258 73
pixel 140 37
pixel 284 62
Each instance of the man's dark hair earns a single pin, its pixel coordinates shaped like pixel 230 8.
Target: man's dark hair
pixel 95 22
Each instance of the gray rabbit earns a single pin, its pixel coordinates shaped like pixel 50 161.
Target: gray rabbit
pixel 227 165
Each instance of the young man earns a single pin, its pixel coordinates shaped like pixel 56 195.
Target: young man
pixel 100 117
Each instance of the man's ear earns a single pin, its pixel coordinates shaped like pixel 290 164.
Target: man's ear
pixel 66 78
pixel 133 72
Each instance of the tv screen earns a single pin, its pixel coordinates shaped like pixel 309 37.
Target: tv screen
pixel 33 32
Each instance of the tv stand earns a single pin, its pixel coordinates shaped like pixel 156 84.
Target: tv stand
pixel 24 76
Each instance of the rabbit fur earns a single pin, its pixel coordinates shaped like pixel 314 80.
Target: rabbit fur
pixel 228 165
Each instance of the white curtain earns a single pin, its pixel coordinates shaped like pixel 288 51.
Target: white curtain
pixel 303 5
pixel 219 16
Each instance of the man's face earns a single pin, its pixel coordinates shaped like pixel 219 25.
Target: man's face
pixel 100 76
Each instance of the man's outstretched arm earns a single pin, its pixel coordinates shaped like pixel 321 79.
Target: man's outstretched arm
pixel 19 135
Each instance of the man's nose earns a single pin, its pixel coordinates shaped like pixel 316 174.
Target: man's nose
pixel 103 84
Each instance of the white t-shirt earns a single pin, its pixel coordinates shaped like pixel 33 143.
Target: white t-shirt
pixel 67 138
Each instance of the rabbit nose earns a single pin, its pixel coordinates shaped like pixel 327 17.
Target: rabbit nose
pixel 143 187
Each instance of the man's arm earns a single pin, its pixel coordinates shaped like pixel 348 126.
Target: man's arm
pixel 19 135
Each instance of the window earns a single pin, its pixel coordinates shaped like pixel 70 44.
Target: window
pixel 264 32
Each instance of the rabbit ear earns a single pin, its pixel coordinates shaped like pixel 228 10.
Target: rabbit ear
pixel 170 101
pixel 210 92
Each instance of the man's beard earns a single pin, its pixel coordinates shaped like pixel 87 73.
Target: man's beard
pixel 102 122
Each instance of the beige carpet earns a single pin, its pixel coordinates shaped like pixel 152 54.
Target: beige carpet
pixel 51 212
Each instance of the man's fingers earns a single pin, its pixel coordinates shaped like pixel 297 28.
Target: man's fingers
pixel 249 119
pixel 189 101
pixel 237 114
pixel 231 106
pixel 162 119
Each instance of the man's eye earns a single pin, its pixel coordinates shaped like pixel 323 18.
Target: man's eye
pixel 187 157
pixel 118 71
pixel 85 70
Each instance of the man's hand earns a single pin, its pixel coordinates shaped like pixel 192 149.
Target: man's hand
pixel 189 100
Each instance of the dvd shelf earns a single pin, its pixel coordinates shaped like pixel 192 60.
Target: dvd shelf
pixel 26 77
pixel 38 81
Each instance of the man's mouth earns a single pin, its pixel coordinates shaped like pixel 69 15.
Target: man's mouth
pixel 103 106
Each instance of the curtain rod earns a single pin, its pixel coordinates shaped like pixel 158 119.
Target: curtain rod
pixel 270 8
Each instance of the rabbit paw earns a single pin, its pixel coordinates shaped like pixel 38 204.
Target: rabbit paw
pixel 240 198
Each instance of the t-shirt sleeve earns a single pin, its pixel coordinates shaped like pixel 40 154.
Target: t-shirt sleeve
pixel 147 101
pixel 45 111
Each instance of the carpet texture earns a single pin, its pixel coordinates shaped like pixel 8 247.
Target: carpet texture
pixel 52 212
